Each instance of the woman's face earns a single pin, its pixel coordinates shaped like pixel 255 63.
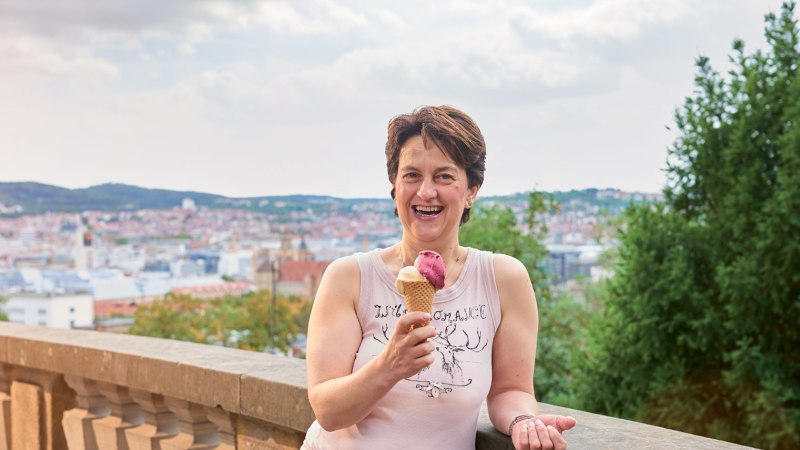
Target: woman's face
pixel 431 191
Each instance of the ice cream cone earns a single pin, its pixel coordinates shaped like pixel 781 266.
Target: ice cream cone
pixel 419 297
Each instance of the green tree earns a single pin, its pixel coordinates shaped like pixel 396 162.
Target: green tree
pixel 233 321
pixel 178 317
pixel 561 320
pixel 700 330
pixel 3 315
pixel 496 228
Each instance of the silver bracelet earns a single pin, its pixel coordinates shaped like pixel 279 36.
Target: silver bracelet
pixel 517 419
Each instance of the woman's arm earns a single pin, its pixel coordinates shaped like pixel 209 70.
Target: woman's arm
pixel 339 397
pixel 514 356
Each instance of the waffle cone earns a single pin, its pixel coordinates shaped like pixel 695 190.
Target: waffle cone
pixel 419 297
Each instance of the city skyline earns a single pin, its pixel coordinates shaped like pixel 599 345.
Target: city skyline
pixel 254 98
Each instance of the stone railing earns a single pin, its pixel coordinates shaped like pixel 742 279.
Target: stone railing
pixel 64 389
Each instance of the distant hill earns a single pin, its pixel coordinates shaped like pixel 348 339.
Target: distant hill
pixel 21 198
pixel 37 198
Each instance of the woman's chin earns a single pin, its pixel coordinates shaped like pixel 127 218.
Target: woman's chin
pixel 426 232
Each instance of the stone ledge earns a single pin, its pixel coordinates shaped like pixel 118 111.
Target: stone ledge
pixel 265 387
pixel 204 374
pixel 595 431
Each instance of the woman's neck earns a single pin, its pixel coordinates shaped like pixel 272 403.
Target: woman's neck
pixel 451 253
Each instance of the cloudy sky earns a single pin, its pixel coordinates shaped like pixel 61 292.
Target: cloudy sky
pixel 266 97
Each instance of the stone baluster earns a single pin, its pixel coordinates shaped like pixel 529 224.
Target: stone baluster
pixel 27 417
pixel 5 407
pixel 91 406
pixel 196 431
pixel 38 401
pixel 159 423
pixel 124 414
pixel 225 422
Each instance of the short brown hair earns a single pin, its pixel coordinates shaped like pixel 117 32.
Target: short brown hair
pixel 451 130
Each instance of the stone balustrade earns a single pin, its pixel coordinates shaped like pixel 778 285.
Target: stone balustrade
pixel 75 389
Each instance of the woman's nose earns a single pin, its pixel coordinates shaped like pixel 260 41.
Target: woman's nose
pixel 426 190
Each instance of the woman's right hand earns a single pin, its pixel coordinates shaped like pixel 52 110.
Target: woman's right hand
pixel 409 350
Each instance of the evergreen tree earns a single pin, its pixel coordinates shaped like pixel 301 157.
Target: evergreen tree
pixel 497 229
pixel 701 330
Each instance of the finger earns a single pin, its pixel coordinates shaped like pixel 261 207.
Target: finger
pixel 522 437
pixel 559 443
pixel 561 423
pixel 423 333
pixel 565 423
pixel 533 436
pixel 542 434
pixel 404 323
pixel 422 349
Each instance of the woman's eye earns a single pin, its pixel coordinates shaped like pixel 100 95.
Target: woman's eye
pixel 446 177
pixel 410 176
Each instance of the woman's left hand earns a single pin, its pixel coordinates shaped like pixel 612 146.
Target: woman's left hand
pixel 541 433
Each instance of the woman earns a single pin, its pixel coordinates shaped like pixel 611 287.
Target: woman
pixel 376 383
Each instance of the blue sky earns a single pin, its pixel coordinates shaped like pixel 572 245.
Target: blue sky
pixel 254 97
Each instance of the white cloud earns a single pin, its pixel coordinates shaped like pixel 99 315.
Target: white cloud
pixel 240 95
pixel 604 19
pixel 31 54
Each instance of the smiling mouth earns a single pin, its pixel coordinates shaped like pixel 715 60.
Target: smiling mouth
pixel 428 210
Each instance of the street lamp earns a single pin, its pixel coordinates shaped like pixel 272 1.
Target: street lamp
pixel 274 269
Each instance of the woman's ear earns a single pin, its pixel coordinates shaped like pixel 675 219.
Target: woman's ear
pixel 472 195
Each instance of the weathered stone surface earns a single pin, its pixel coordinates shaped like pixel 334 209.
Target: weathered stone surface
pixel 5 377
pixel 226 427
pixel 203 374
pixel 91 405
pixel 254 434
pixel 124 414
pixel 599 432
pixel 159 423
pixel 27 417
pixel 5 421
pixel 264 394
pixel 3 348
pixel 57 398
pixel 278 394
pixel 196 431
pixel 5 406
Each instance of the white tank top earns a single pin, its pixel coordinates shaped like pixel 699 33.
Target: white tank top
pixel 438 407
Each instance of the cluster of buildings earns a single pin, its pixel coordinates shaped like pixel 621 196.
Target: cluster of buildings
pixel 93 269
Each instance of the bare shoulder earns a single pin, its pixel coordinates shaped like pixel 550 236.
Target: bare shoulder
pixel 342 278
pixel 343 267
pixel 513 281
pixel 509 269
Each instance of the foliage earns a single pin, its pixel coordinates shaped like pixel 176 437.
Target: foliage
pixel 700 330
pixel 496 228
pixel 234 321
pixel 3 315
pixel 562 339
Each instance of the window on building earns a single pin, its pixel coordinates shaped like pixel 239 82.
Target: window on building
pixel 42 311
pixel 72 310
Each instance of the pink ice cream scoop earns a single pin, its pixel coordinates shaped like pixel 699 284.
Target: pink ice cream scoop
pixel 431 265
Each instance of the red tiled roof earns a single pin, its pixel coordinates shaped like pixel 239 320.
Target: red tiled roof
pixel 298 270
